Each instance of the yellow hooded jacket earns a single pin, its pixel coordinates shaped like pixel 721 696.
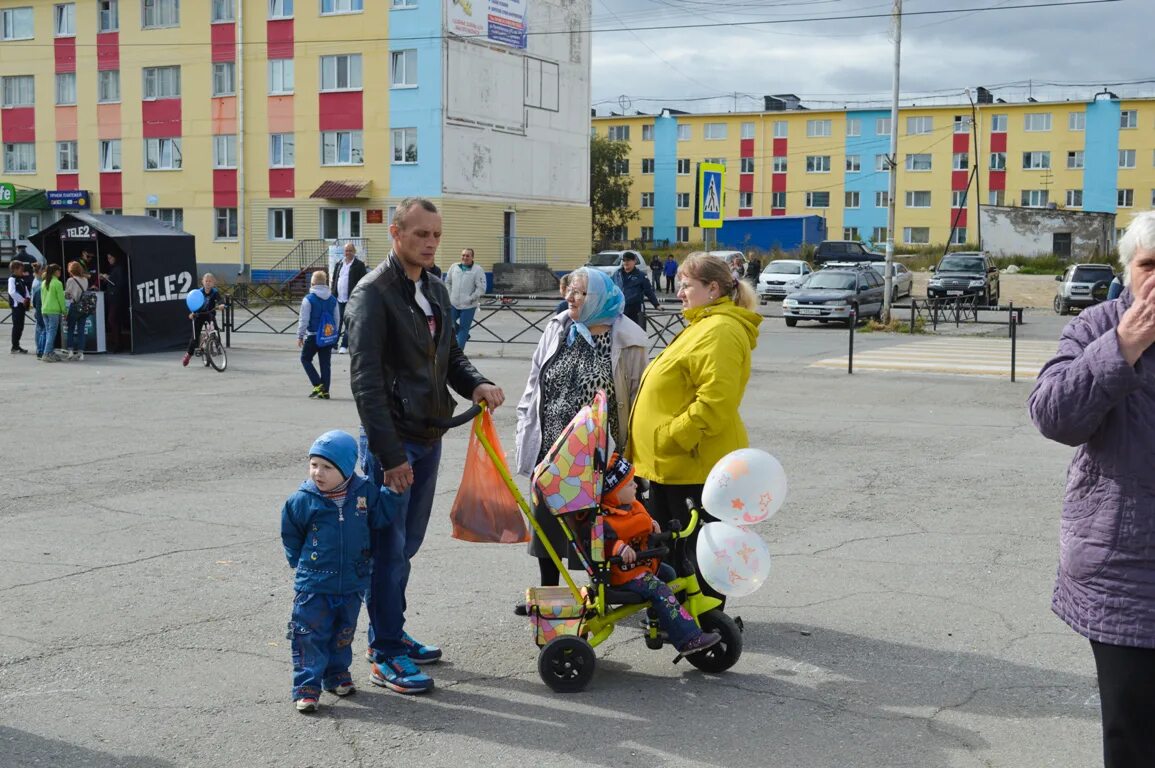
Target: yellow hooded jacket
pixel 685 417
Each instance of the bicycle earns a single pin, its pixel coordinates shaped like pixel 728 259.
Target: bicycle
pixel 211 349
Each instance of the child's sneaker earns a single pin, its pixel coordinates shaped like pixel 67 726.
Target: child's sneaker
pixel 316 392
pixel 323 394
pixel 700 643
pixel 400 674
pixel 419 653
pixel 344 689
pixel 307 704
pixel 184 361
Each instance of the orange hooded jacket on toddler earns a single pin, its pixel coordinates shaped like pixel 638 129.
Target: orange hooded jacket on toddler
pixel 626 523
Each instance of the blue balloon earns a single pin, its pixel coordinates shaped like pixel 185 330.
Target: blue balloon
pixel 195 300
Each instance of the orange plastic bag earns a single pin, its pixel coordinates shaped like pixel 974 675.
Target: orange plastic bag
pixel 485 510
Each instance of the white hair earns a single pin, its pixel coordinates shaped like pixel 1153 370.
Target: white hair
pixel 1140 236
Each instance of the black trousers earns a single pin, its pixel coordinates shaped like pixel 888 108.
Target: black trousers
pixel 343 324
pixel 668 502
pixel 636 313
pixel 18 313
pixel 1127 699
pixel 670 283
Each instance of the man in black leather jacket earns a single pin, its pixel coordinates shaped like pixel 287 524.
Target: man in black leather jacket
pixel 404 359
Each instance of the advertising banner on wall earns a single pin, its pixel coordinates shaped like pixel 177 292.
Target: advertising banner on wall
pixel 499 21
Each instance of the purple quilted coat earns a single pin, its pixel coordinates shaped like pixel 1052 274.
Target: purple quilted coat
pixel 1088 397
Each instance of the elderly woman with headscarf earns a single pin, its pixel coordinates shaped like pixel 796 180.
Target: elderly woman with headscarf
pixel 588 347
pixel 1098 395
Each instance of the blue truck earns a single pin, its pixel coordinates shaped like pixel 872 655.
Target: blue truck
pixel 768 232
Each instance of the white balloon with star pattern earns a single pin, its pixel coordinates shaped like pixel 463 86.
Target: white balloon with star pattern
pixel 734 561
pixel 745 487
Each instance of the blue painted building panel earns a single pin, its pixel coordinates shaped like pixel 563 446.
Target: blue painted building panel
pixel 665 177
pixel 867 181
pixel 418 28
pixel 1101 156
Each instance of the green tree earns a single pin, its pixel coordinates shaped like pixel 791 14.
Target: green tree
pixel 609 189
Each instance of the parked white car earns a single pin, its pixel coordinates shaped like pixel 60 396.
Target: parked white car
pixel 611 261
pixel 781 277
pixel 901 278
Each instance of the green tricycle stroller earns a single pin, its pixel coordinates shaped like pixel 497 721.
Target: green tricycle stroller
pixel 570 621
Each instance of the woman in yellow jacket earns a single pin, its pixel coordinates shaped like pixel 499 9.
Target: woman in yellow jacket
pixel 685 417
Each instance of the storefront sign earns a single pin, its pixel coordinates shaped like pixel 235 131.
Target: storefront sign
pixel 374 216
pixel 7 194
pixel 70 199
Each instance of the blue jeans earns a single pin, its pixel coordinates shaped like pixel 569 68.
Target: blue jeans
pixel 75 337
pixel 395 546
pixel 672 617
pixel 324 354
pixel 321 631
pixel 51 330
pixel 40 331
pixel 462 322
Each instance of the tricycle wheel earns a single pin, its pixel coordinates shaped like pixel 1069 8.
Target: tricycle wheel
pixel 566 664
pixel 725 654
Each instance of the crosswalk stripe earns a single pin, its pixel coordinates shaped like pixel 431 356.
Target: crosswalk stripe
pixel 964 357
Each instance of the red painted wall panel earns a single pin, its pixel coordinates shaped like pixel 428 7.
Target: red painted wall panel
pixel 161 118
pixel 777 211
pixel 18 124
pixel 962 217
pixel 65 52
pixel 340 111
pixel 281 182
pixel 998 181
pixel 108 51
pixel 224 39
pixel 745 213
pixel 962 142
pixel 225 188
pixel 280 36
pixel 780 147
pixel 998 142
pixel 958 179
pixel 745 182
pixel 777 182
pixel 68 181
pixel 110 191
pixel 747 148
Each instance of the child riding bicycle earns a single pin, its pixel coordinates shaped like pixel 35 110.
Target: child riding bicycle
pixel 204 315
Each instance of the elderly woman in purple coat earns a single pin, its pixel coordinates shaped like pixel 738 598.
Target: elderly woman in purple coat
pixel 1098 395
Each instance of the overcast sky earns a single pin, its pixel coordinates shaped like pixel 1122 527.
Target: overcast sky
pixel 836 63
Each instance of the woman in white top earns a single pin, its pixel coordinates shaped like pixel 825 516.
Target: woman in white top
pixel 74 288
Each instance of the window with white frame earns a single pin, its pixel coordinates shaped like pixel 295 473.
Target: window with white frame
pixel 1129 118
pixel 109 155
pixel 282 150
pixel 224 10
pixel 341 6
pixel 882 199
pixel 995 197
pixel 64 19
pixel 162 154
pixel 1034 198
pixel 958 198
pixel 850 233
pixel 1036 161
pixel 682 234
pixel 224 78
pixel 962 124
pixel 1125 198
pixel 817 199
pixel 683 200
pixel 66 161
pixel 1037 121
pixel 226 224
pixel 225 151
pixel 20 157
pixel 341 72
pixel 917 126
pixel 647 234
pixel 998 161
pixel 346 148
pixel 853 126
pixel 1076 121
pixel 647 199
pixel 781 129
pixel 280 9
pixel 16 24
pixel 1074 198
pixel 683 166
pixel 621 167
pixel 779 164
pixel 960 161
pixel 818 128
pixel 714 131
pixel 65 88
pixel 746 165
pixel 618 133
pixel 161 83
pixel 107 15
pixel 113 211
pixel 648 132
pixel 172 217
pixel 878 235
pixel 746 200
pixel 998 123
pixel 280 223
pixel 959 237
pixel 818 163
pixel 1075 159
pixel 159 13
pixel 716 161
pixel 647 165
pixel 853 163
pixel 18 91
pixel 919 162
pixel 852 199
pixel 882 163
pixel 882 126
pixel 778 200
pixel 747 130
pixel 1126 158
pixel 918 199
pixel 403 68
pixel 916 235
pixel 282 77
pixel 108 86
pixel 684 133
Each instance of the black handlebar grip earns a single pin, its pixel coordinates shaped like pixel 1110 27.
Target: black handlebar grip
pixel 460 419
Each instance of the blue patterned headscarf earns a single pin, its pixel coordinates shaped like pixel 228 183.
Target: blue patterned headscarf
pixel 604 304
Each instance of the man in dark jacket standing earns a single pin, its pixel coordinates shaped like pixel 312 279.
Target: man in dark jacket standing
pixel 404 359
pixel 346 274
pixel 636 288
pixel 116 300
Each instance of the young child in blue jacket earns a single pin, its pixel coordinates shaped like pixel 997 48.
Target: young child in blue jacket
pixel 325 530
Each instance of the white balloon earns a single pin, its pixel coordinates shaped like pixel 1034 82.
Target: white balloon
pixel 745 487
pixel 735 561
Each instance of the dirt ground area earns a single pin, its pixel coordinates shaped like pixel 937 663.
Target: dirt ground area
pixel 1024 290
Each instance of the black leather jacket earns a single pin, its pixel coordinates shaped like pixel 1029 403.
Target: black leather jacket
pixel 400 374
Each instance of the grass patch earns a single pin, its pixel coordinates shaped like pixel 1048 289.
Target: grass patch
pixel 894 326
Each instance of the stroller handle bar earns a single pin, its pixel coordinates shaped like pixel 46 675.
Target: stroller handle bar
pixel 461 419
pixel 645 554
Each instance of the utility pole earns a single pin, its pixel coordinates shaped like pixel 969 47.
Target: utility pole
pixel 978 172
pixel 891 203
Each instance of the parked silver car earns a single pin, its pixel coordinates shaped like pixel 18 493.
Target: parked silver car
pixel 902 280
pixel 1082 285
pixel 782 277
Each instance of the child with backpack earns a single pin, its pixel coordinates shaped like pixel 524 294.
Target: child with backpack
pixel 325 529
pixel 317 333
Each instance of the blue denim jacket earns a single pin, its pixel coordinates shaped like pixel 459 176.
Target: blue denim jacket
pixel 330 546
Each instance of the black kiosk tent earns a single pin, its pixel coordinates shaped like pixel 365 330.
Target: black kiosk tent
pixel 161 268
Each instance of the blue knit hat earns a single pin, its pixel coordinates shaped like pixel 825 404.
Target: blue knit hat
pixel 339 449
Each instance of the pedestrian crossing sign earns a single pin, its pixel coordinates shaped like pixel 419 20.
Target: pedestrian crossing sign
pixel 710 195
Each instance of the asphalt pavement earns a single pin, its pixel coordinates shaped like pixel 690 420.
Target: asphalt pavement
pixel 906 620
